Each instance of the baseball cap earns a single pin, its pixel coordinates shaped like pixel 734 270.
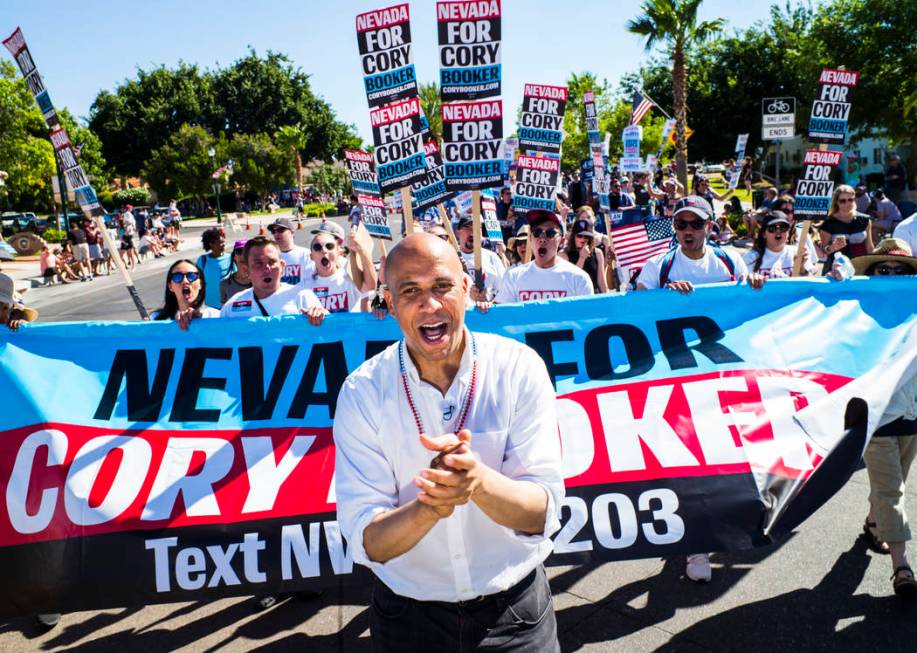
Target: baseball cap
pixel 464 222
pixel 281 223
pixel 773 217
pixel 239 244
pixel 332 228
pixel 535 216
pixel 696 205
pixel 583 227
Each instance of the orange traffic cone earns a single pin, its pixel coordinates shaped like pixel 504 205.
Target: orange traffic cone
pixel 247 226
pixel 261 230
pixel 298 226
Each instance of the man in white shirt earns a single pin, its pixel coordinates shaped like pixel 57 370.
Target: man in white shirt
pixel 694 261
pixel 491 264
pixel 907 231
pixel 547 276
pixel 336 291
pixel 296 261
pixel 457 542
pixel 268 296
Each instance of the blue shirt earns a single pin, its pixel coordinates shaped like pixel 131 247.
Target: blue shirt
pixel 215 268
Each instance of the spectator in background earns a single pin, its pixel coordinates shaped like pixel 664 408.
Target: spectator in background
pixel 215 263
pixel 576 190
pixel 864 202
pixel 94 242
pixel 76 236
pixel 581 250
pixel 702 188
pixel 517 245
pixel 887 216
pixel 895 178
pixel 745 177
pixel 845 230
pixel 238 280
pixel 490 262
pixel 128 233
pixel 52 268
pixel 618 198
pixel 770 196
pixel 296 263
pixel 184 295
pixel 505 212
pixel 13 312
pixel 356 212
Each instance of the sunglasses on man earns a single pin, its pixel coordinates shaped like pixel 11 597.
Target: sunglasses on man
pixel 317 247
pixel 545 233
pixel 893 269
pixel 696 225
pixel 178 277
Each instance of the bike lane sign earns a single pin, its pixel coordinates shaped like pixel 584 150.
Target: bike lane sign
pixel 778 118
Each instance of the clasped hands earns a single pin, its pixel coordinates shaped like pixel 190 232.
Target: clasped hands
pixel 458 477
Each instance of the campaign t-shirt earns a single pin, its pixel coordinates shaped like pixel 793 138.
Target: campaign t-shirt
pixel 778 264
pixel 298 265
pixel 709 269
pixel 493 267
pixel 337 293
pixel 529 282
pixel 288 300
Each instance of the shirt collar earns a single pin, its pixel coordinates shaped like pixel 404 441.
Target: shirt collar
pixel 464 371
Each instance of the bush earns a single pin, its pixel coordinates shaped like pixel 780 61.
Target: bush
pixel 316 209
pixel 135 196
pixel 54 235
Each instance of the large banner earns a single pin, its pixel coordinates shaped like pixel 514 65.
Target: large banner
pixel 384 41
pixel 143 464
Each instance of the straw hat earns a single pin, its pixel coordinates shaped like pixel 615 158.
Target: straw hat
pixel 891 249
pixel 8 295
pixel 522 234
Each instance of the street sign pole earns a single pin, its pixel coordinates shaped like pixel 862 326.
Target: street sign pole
pixel 777 172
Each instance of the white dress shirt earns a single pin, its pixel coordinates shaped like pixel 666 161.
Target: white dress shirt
pixel 514 431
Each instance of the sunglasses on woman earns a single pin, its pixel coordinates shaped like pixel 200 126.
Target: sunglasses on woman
pixel 892 269
pixel 777 228
pixel 317 247
pixel 844 200
pixel 178 277
pixel 696 225
pixel 547 233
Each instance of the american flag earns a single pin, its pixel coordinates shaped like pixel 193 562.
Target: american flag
pixel 638 238
pixel 641 106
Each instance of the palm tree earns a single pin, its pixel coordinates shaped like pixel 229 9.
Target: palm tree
pixel 293 138
pixel 432 108
pixel 674 23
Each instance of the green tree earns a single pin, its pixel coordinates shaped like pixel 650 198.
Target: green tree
pixel 292 139
pixel 674 23
pixel 182 167
pixel 576 141
pixel 329 179
pixel 143 113
pixel 259 165
pixel 90 157
pixel 432 108
pixel 25 151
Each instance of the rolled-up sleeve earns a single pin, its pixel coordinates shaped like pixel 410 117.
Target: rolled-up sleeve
pixel 365 483
pixel 533 445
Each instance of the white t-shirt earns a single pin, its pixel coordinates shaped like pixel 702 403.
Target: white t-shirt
pixel 529 282
pixel 907 231
pixel 337 293
pixel 778 264
pixel 288 300
pixel 709 269
pixel 205 311
pixel 493 267
pixel 298 265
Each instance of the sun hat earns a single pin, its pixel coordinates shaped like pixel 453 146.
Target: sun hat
pixel 892 250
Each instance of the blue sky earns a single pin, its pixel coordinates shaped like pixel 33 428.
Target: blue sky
pixel 83 47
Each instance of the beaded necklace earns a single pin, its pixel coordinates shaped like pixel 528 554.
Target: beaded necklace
pixel 466 406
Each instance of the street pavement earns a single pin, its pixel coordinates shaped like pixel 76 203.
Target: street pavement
pixel 819 590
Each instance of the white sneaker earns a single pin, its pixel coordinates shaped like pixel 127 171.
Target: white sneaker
pixel 698 568
pixel 49 620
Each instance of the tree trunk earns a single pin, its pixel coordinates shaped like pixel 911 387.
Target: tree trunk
pixel 679 91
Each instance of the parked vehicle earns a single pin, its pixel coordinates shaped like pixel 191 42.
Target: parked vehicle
pixel 14 223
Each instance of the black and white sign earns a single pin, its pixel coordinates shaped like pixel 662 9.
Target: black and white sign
pixel 831 108
pixel 399 152
pixel 469 49
pixel 384 39
pixel 473 144
pixel 778 118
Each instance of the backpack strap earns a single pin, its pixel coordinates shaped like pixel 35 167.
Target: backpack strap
pixel 725 260
pixel 665 267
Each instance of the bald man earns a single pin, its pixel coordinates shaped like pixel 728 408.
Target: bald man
pixel 448 474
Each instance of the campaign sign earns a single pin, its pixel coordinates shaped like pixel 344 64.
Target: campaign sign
pixel 384 40
pixel 542 118
pixel 373 215
pixel 741 142
pixel 536 182
pixel 831 109
pixel 631 164
pixel 814 189
pixel 489 216
pixel 469 49
pixel 509 153
pixel 362 176
pixel 473 144
pixel 592 118
pixel 399 153
pixel 431 190
pixel 632 135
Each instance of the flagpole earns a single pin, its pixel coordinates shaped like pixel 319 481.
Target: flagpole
pixel 656 105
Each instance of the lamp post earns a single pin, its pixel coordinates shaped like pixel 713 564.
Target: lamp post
pixel 216 184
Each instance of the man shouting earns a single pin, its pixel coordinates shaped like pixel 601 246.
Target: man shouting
pixel 448 474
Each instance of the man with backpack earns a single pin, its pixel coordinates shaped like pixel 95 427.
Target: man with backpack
pixel 695 261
